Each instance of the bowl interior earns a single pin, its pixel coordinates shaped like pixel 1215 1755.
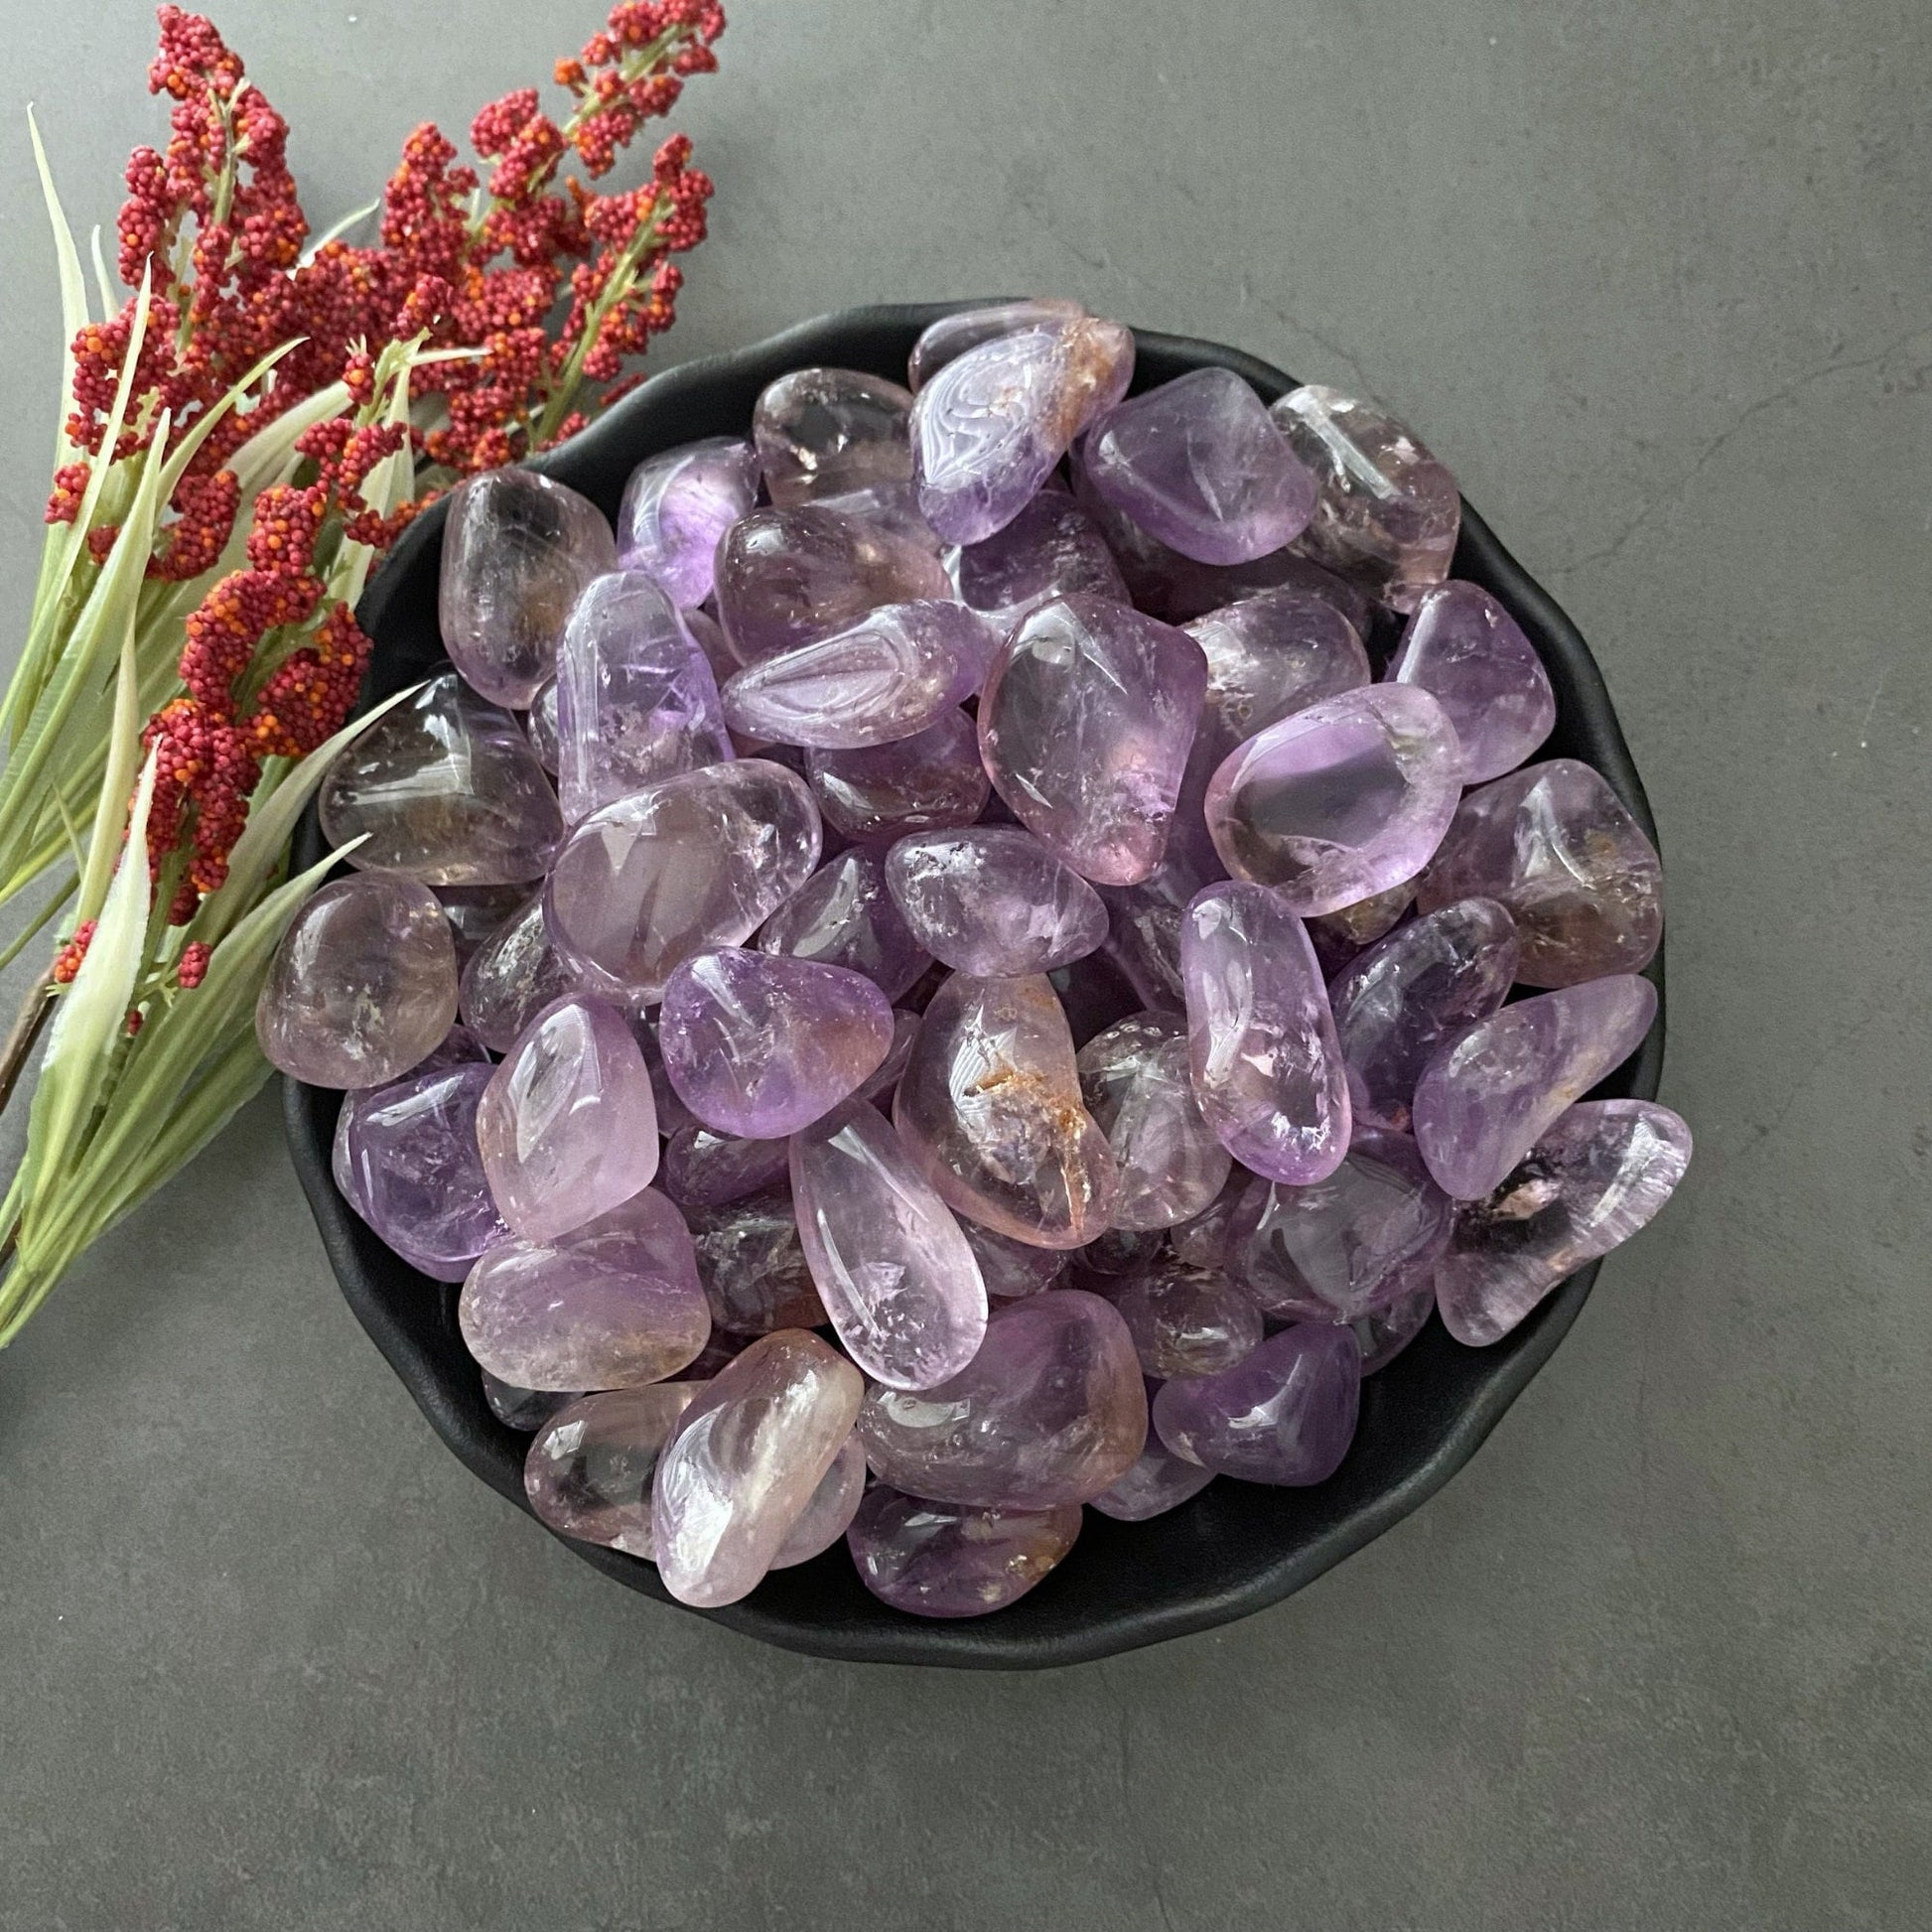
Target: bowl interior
pixel 1236 1546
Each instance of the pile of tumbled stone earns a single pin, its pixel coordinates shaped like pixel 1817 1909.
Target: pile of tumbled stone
pixel 999 1009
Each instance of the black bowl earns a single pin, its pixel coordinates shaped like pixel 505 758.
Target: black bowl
pixel 1236 1546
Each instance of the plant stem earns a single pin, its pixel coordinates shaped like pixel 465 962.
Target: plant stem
pixel 35 1012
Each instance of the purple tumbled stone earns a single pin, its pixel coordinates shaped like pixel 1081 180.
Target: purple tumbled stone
pixel 1284 1413
pixel 512 976
pixel 1399 1002
pixel 844 915
pixel 1135 1077
pixel 1366 1236
pixel 703 1168
pixel 540 723
pixel 677 505
pixel 1144 924
pixel 947 1560
pixel 899 1280
pixel 1463 648
pixel 697 861
pixel 476 914
pixel 885 1076
pixel 1341 936
pixel 924 783
pixel 1385 1333
pixel 568 1125
pixel 609 1306
pixel 457 1047
pixel 828 1515
pixel 1010 1267
pixel 1158 1482
pixel 723 1346
pixel 446 788
pixel 673 1116
pixel 992 901
pixel 1116 1254
pixel 1345 798
pixel 990 1109
pixel 824 432
pixel 761 1045
pixel 517 549
pixel 890 507
pixel 888 676
pixel 1268 1070
pixel 1492 1090
pixel 1268 656
pixel 752 1266
pixel 588 1472
pixel 363 985
pixel 524 1409
pixel 637 700
pixel 788 577
pixel 952 335
pixel 417 1174
pixel 1051 1410
pixel 1085 722
pixel 1186 1321
pixel 1554 844
pixel 989 427
pixel 1598 1176
pixel 1386 512
pixel 1052 548
pixel 1204 1241
pixel 744 1462
pixel 1199 465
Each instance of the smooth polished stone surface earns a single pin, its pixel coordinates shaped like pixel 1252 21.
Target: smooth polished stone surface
pixel 1267 1068
pixel 1113 1256
pixel 823 431
pixel 1138 1086
pixel 703 1168
pixel 952 335
pixel 787 576
pixel 1158 1482
pixel 753 1265
pixel 1366 1236
pixel 1010 1267
pixel 1387 512
pixel 845 915
pixel 887 1075
pixel 990 1109
pixel 363 985
pixel 1186 1321
pixel 677 505
pixel 1600 1175
pixel 568 1125
pixel 1492 1090
pixel 989 427
pixel 446 788
pixel 1463 648
pixel 1144 922
pixel 1284 1413
pixel 1556 845
pixel 947 1559
pixel 1085 722
pixel 828 1515
pixel 992 901
pixel 589 1470
pixel 888 676
pixel 1199 466
pixel 518 549
pixel 899 1280
pixel 1342 799
pixel 476 914
pixel 524 1409
pixel 540 723
pixel 744 1462
pixel 1204 1241
pixel 761 1045
pixel 1268 656
pixel 1383 1333
pixel 1340 937
pixel 1050 1410
pixel 1397 1003
pixel 417 1173
pixel 698 860
pixel 512 976
pixel 924 783
pixel 1052 548
pixel 637 700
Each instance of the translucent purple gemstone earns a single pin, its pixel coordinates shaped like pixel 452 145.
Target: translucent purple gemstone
pixel 517 549
pixel 1204 1241
pixel 1554 844
pixel 1492 1090
pixel 1085 722
pixel 923 784
pixel 1284 1413
pixel 844 915
pixel 588 1472
pixel 947 1559
pixel 828 1515
pixel 540 723
pixel 1463 648
pixel 753 1267
pixel 1345 798
pixel 1399 1002
pixel 1341 936
pixel 677 505
pixel 992 901
pixel 635 697
pixel 1010 1267
pixel 476 914
pixel 1144 918
pixel 1200 466
pixel 1386 1332
pixel 824 432
pixel 1268 1070
pixel 1268 656
pixel 1137 1083
pixel 524 1409
pixel 952 335
pixel 1186 1321
pixel 1158 1482
pixel 1052 548
pixel 512 977
pixel 1598 1176
pixel 759 1045
pixel 704 1169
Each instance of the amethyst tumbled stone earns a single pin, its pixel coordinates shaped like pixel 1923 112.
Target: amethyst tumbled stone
pixel 676 508
pixel 921 784
pixel 952 335
pixel 824 433
pixel 1284 1413
pixel 1464 650
pixel 844 915
pixel 588 1470
pixel 992 901
pixel 949 1560
pixel 1138 1084
pixel 1052 548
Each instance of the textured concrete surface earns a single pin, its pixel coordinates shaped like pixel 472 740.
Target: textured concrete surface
pixel 1654 278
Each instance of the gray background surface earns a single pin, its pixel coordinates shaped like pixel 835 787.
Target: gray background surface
pixel 1653 279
